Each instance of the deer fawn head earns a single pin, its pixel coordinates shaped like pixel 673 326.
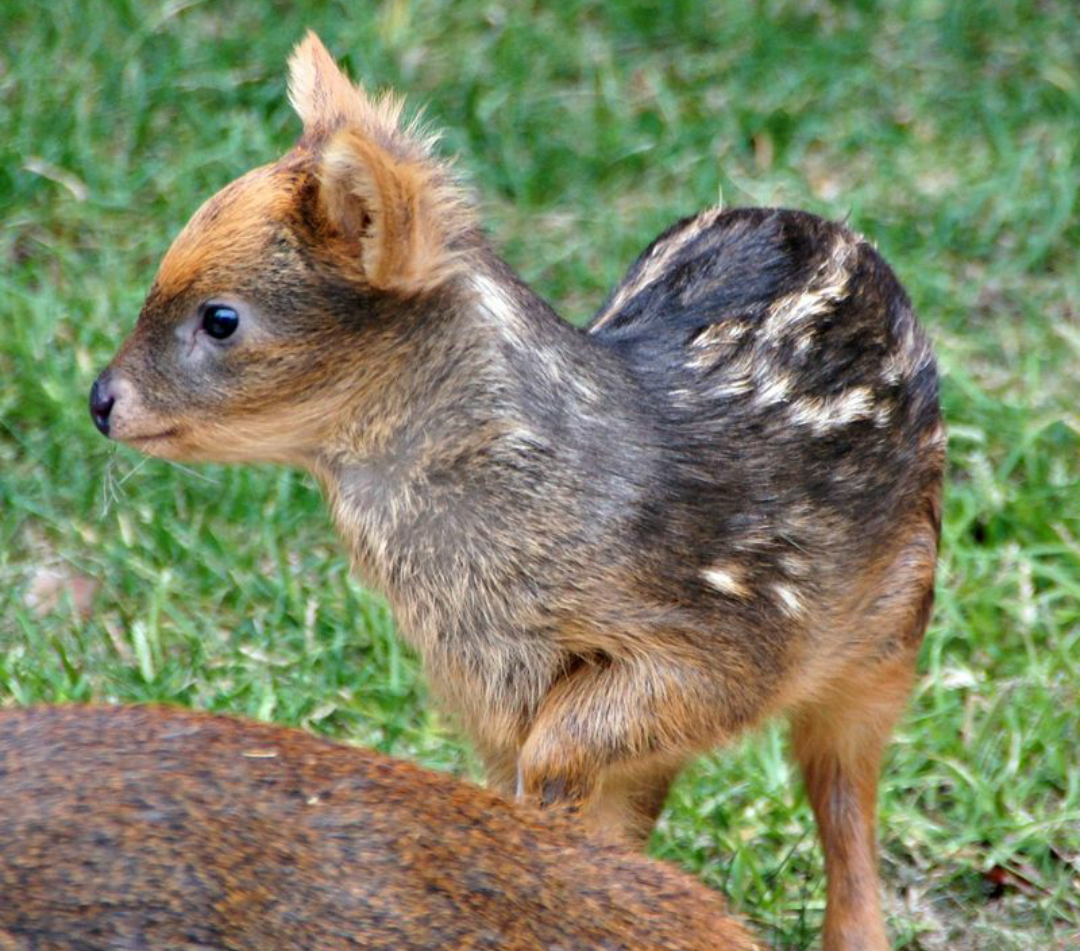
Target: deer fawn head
pixel 341 246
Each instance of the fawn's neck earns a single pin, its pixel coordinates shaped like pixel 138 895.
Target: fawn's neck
pixel 505 428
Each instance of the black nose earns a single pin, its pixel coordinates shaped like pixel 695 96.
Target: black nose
pixel 101 402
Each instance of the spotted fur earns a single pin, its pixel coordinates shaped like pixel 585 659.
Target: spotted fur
pixel 613 548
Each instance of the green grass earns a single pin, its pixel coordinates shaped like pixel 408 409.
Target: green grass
pixel 949 132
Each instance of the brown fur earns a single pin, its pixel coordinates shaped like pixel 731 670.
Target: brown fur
pixel 148 827
pixel 612 548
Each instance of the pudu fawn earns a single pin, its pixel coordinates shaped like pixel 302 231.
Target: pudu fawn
pixel 613 548
pixel 137 827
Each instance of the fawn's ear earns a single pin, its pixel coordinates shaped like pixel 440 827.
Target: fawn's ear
pixel 391 206
pixel 390 212
pixel 319 91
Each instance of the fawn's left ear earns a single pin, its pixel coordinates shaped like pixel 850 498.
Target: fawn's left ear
pixel 391 206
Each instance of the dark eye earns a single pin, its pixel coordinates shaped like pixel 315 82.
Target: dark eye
pixel 220 321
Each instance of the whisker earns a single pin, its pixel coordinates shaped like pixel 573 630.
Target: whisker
pixel 142 462
pixel 109 493
pixel 193 472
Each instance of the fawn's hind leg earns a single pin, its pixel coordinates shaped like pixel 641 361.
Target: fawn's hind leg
pixel 839 740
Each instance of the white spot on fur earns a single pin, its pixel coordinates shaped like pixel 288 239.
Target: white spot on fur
pixel 773 389
pixel 804 340
pixel 504 312
pixel 710 343
pixel 727 580
pixel 824 413
pixel 749 374
pixel 794 565
pixel 849 475
pixel 788 600
pixel 495 302
pixel 713 345
pixel 735 378
pixel 501 309
pixel 826 289
pixel 896 367
pixel 701 361
pixel 727 331
pixel 585 390
pixel 525 438
pixel 935 437
pixel 734 386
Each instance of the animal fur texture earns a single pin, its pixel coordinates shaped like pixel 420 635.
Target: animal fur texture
pixel 154 828
pixel 612 548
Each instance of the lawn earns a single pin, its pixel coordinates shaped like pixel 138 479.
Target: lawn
pixel 947 132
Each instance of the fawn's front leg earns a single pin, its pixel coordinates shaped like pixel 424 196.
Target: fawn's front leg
pixel 630 798
pixel 611 737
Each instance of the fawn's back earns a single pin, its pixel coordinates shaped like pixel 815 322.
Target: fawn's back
pixel 160 828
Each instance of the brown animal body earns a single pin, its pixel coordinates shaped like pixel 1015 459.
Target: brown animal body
pixel 139 827
pixel 613 548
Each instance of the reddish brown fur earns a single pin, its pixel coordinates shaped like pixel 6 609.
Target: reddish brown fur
pixel 838 743
pixel 612 549
pixel 231 224
pixel 148 827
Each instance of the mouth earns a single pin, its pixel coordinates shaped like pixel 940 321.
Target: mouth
pixel 150 437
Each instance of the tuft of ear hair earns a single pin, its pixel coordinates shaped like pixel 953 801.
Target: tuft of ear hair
pixel 325 99
pixel 395 212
